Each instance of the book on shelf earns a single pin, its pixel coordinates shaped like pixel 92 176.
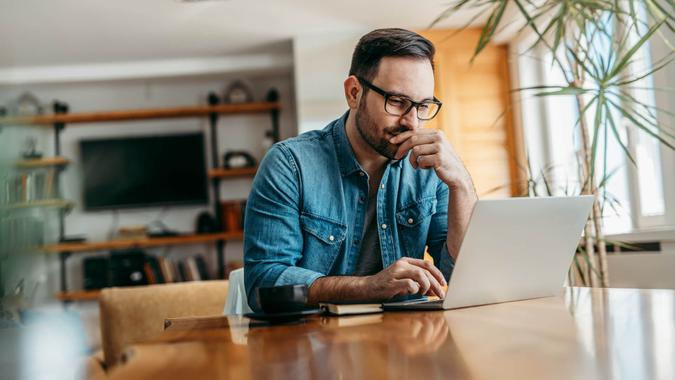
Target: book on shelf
pixel 352 308
pixel 183 273
pixel 191 267
pixel 167 269
pixel 202 268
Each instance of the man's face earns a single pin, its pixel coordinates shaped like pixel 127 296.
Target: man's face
pixel 405 76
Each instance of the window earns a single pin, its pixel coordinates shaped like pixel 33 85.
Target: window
pixel 635 196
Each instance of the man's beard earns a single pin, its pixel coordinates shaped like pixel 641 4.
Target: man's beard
pixel 368 131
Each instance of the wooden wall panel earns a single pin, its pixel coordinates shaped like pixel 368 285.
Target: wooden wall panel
pixel 476 113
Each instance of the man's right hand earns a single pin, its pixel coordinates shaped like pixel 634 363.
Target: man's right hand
pixel 405 277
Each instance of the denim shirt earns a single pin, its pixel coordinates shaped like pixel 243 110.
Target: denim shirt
pixel 305 213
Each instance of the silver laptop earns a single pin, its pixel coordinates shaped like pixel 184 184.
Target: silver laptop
pixel 514 249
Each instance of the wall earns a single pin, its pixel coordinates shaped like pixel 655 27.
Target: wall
pixel 235 132
pixel 321 64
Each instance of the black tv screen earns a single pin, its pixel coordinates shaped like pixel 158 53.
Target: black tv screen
pixel 144 171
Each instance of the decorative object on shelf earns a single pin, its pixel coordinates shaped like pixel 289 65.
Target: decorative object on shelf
pixel 238 92
pixel 26 104
pixel 238 159
pixel 233 215
pixel 30 152
pixel 272 95
pixel 206 223
pixel 157 228
pixel 29 187
pixel 132 232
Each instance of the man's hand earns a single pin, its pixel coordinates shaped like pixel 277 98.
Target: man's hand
pixel 431 150
pixel 405 277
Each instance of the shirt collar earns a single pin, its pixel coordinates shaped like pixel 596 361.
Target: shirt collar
pixel 345 153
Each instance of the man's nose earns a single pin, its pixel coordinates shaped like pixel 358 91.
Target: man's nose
pixel 410 120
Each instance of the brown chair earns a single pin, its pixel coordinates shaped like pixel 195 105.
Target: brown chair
pixel 134 314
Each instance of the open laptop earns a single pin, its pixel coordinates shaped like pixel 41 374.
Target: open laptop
pixel 514 249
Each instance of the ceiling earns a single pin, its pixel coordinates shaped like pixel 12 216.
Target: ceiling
pixel 64 32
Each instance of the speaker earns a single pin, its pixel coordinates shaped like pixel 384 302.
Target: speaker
pixel 126 268
pixel 96 272
pixel 206 223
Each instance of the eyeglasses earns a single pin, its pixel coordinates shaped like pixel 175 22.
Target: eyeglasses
pixel 399 105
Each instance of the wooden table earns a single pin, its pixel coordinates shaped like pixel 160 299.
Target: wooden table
pixel 583 334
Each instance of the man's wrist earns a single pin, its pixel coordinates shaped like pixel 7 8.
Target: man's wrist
pixel 463 187
pixel 339 288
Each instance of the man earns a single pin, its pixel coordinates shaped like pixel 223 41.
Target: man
pixel 349 210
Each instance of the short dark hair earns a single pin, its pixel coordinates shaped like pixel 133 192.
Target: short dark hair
pixel 392 42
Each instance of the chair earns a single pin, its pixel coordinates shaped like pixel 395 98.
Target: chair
pixel 134 314
pixel 237 302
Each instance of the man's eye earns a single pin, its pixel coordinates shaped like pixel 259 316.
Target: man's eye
pixel 424 107
pixel 396 102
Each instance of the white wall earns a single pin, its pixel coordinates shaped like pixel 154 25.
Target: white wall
pixel 321 65
pixel 235 132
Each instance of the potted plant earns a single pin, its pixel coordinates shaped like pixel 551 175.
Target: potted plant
pixel 593 44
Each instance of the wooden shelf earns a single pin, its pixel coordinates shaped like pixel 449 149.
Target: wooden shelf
pixel 42 162
pixel 78 295
pixel 232 173
pixel 141 114
pixel 55 203
pixel 141 242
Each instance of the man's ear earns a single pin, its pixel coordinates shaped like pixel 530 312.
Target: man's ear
pixel 353 91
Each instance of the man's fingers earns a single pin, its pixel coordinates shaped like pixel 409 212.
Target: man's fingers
pixel 428 266
pixel 422 150
pixel 407 134
pixel 428 162
pixel 413 141
pixel 417 274
pixel 435 288
pixel 406 286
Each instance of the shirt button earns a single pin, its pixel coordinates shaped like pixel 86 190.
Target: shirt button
pixel 384 226
pixel 411 221
pixel 331 238
pixel 382 186
pixel 362 199
pixel 362 174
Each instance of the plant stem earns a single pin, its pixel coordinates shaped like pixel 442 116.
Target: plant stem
pixel 593 229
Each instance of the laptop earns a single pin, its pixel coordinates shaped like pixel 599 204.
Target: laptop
pixel 513 249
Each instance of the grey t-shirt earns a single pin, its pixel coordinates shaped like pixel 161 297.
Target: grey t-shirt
pixel 370 257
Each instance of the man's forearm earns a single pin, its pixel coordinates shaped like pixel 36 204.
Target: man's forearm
pixel 338 288
pixel 460 207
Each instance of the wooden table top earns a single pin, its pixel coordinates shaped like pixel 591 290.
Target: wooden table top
pixel 584 334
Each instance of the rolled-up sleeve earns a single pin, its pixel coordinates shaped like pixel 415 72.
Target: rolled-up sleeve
pixel 273 239
pixel 438 233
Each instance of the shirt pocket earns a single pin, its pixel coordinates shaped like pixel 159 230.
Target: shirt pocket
pixel 323 238
pixel 413 225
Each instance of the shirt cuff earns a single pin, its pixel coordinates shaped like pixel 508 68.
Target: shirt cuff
pixel 297 276
pixel 447 264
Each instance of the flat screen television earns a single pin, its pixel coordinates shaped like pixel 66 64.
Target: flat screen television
pixel 146 171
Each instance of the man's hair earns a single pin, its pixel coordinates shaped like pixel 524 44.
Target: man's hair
pixel 393 42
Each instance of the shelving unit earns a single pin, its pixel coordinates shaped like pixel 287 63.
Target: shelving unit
pixel 232 173
pixel 213 111
pixel 141 242
pixel 78 295
pixel 42 162
pixel 50 203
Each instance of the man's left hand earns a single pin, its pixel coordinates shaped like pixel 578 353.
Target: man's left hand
pixel 431 150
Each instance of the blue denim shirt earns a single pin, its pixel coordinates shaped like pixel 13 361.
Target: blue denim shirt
pixel 305 214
